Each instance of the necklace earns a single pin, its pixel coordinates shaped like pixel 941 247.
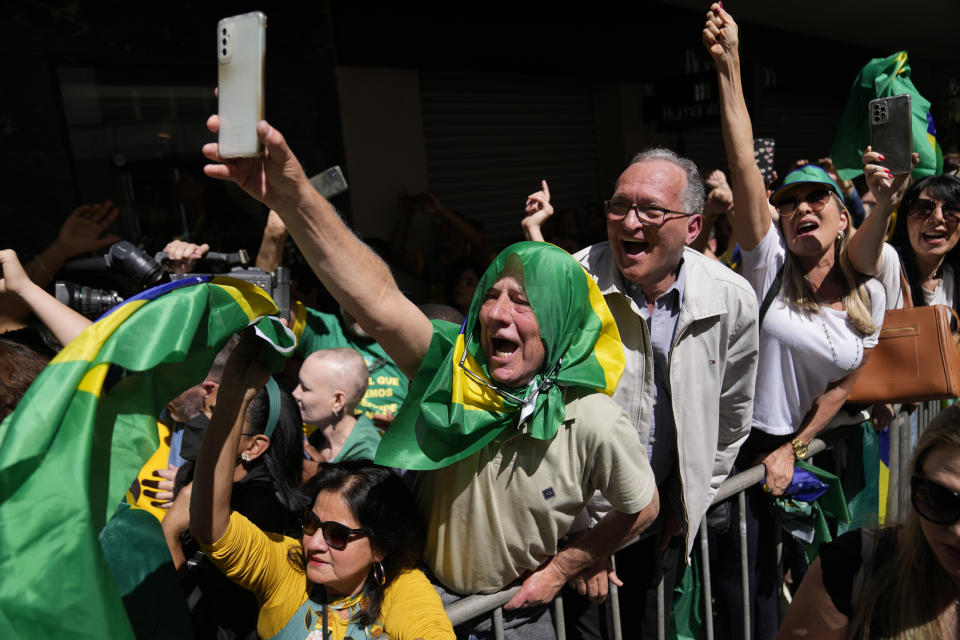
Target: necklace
pixel 833 350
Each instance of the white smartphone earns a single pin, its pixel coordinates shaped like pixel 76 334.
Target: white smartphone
pixel 241 45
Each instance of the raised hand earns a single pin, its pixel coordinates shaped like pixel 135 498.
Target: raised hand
pixel 13 279
pixel 720 34
pixel 538 210
pixel 82 229
pixel 243 369
pixel 275 178
pixel 886 187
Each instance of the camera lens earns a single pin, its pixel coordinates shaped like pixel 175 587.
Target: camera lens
pixel 224 52
pixel 224 42
pixel 224 31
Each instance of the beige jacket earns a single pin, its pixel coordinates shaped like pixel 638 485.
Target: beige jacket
pixel 713 365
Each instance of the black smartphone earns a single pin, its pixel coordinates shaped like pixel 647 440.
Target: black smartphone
pixel 891 132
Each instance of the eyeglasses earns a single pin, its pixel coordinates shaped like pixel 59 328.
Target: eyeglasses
pixel 934 502
pixel 649 214
pixel 545 384
pixel 817 199
pixel 923 209
pixel 335 534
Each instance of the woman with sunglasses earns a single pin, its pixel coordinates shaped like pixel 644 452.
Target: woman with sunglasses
pixel 819 318
pixel 900 582
pixel 353 572
pixel 925 240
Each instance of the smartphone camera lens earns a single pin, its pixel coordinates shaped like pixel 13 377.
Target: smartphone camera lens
pixel 224 31
pixel 224 52
pixel 224 42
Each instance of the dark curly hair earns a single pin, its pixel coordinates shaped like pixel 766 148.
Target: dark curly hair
pixel 19 366
pixel 943 188
pixel 381 503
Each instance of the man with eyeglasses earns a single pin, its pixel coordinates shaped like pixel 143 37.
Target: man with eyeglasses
pixel 689 331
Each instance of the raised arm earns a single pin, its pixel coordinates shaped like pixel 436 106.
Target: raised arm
pixel 353 274
pixel 243 376
pixel 751 219
pixel 81 232
pixel 270 255
pixel 866 245
pixel 538 210
pixel 64 323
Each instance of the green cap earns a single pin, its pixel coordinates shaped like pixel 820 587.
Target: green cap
pixel 807 174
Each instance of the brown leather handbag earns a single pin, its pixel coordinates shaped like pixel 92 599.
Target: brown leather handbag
pixel 915 359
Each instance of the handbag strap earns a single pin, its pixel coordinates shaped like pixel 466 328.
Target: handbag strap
pixel 905 289
pixel 771 294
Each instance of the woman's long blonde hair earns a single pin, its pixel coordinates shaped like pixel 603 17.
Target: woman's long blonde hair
pixel 907 594
pixel 856 298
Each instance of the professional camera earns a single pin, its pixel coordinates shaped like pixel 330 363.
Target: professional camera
pixel 87 301
pixel 276 284
pixel 124 270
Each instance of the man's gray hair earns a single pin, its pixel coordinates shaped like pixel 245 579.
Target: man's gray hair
pixel 693 193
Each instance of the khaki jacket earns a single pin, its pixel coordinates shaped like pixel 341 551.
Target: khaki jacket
pixel 713 365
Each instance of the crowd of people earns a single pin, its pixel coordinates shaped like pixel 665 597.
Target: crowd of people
pixel 568 403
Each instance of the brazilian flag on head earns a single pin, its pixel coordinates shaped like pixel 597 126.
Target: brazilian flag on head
pixel 882 78
pixel 82 432
pixel 454 409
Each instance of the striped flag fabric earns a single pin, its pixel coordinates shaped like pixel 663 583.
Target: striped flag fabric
pixel 81 433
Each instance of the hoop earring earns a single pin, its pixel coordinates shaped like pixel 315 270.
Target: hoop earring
pixel 378 574
pixel 338 413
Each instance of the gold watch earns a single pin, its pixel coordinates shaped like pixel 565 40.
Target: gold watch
pixel 799 449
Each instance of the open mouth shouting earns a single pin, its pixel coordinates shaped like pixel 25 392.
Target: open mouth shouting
pixel 504 348
pixel 635 248
pixel 806 226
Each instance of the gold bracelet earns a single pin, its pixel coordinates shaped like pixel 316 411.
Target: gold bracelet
pixel 799 449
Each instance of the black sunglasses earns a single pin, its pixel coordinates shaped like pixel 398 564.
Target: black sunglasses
pixel 923 209
pixel 817 199
pixel 934 502
pixel 335 534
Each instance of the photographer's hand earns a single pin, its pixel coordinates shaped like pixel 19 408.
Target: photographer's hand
pixel 182 256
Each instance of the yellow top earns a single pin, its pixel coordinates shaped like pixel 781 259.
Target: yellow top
pixel 259 562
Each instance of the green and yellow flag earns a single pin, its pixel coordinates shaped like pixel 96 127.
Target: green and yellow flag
pixel 881 78
pixel 454 409
pixel 82 432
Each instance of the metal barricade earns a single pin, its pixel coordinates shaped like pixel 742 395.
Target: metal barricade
pixel 904 431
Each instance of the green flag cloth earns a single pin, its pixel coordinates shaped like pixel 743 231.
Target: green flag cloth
pixel 82 432
pixel 881 78
pixel 451 410
pixel 807 521
pixel 861 479
pixel 686 616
